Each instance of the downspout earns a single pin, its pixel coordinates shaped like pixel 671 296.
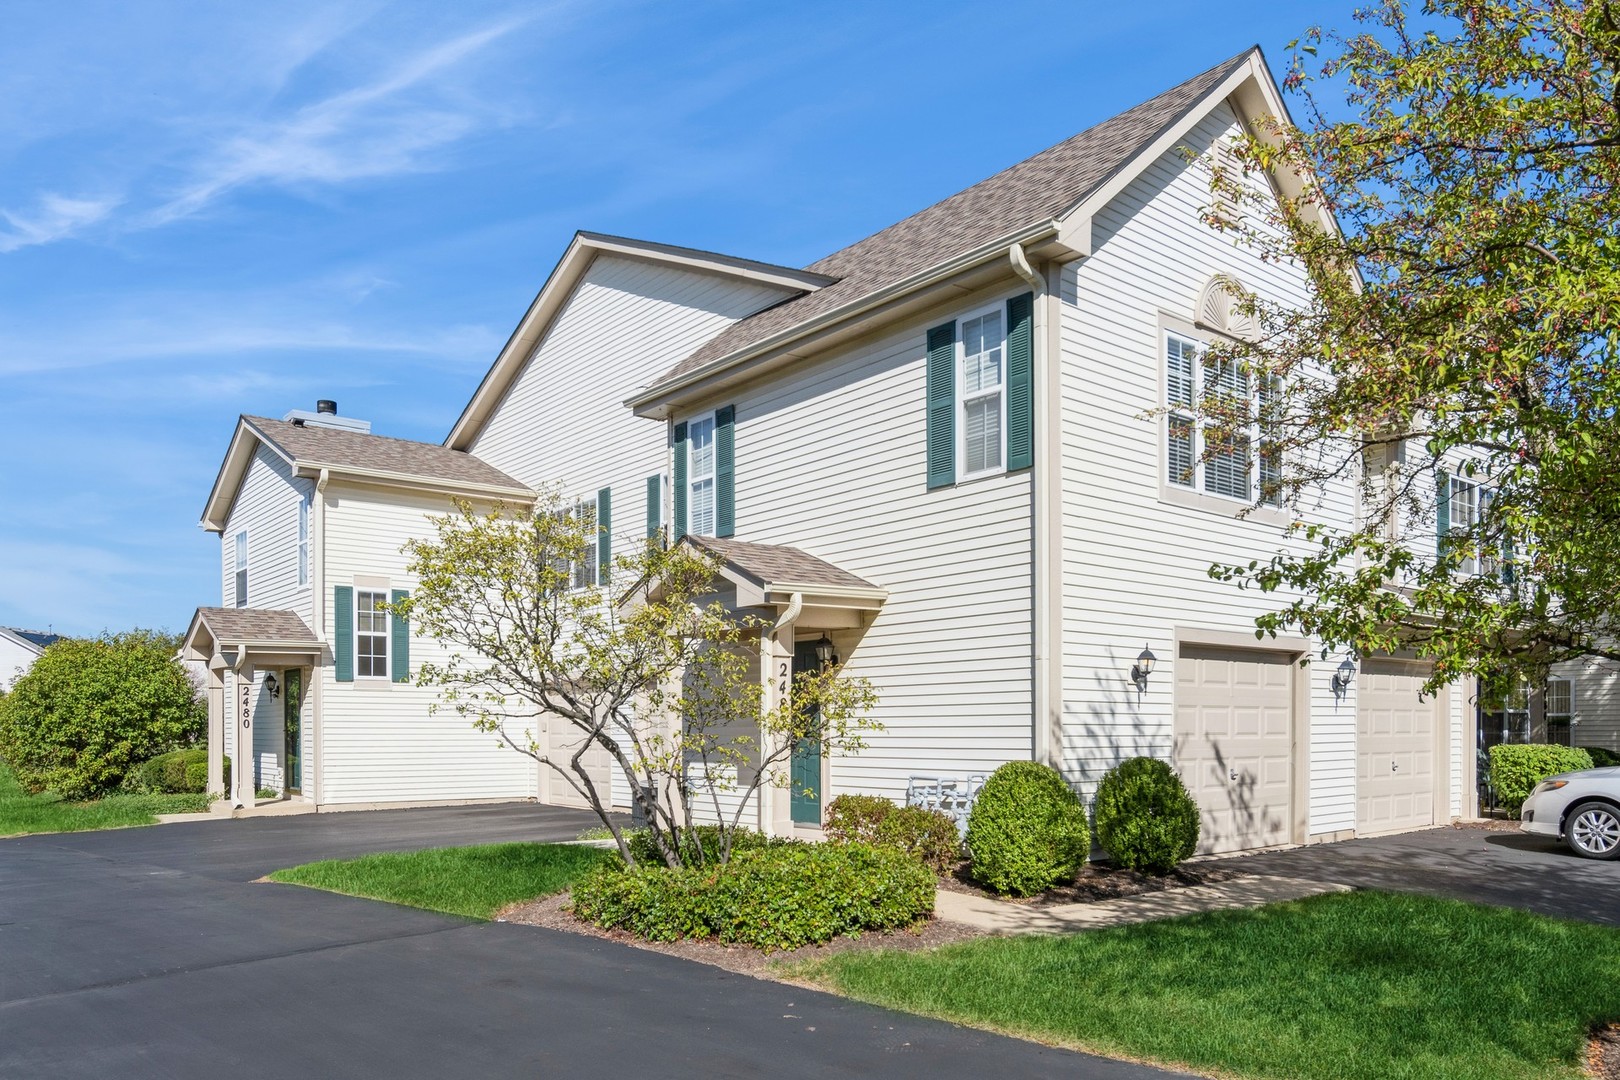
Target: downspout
pixel 317 607
pixel 769 656
pixel 1045 675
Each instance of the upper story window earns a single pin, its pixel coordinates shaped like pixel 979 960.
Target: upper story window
pixel 1466 501
pixel 241 569
pixel 371 633
pixel 700 477
pixel 303 540
pixel 582 571
pixel 1201 451
pixel 981 395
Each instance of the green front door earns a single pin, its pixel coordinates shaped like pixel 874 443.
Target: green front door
pixel 806 770
pixel 292 695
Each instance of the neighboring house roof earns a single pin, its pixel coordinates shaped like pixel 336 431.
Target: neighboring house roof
pixel 777 568
pixel 36 641
pixel 581 252
pixel 310 449
pixel 1046 196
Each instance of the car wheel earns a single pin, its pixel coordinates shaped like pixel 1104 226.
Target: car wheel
pixel 1593 830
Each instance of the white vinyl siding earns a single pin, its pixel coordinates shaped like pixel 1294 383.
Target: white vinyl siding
pixel 700 476
pixel 1135 564
pixel 981 394
pixel 371 634
pixel 266 508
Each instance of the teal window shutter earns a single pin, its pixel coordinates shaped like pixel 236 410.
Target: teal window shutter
pixel 680 480
pixel 725 471
pixel 399 662
pixel 1442 510
pixel 604 534
pixel 1021 381
pixel 655 505
pixel 343 633
pixel 941 378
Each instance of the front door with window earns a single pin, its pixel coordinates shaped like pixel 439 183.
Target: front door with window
pixel 292 704
pixel 806 771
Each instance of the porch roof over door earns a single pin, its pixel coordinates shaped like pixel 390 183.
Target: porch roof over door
pixel 224 637
pixel 771 575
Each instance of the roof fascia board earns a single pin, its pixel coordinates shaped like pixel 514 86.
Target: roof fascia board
pixel 234 466
pixel 648 401
pixel 386 478
pixel 559 286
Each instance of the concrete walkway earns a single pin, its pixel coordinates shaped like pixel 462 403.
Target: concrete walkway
pixel 1002 917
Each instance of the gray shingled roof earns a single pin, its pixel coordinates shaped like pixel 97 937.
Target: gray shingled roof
pixel 772 563
pixel 333 446
pixel 1037 189
pixel 254 624
pixel 37 638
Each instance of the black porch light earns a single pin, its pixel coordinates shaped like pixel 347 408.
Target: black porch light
pixel 824 650
pixel 1343 676
pixel 1143 668
pixel 271 685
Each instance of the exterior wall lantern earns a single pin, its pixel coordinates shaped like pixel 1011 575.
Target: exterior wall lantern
pixel 1142 669
pixel 272 686
pixel 824 651
pixel 1343 676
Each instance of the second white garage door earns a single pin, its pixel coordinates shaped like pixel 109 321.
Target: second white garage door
pixel 1395 748
pixel 1234 744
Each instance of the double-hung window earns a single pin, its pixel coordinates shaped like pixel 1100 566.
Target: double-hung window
pixel 371 633
pixel 981 394
pixel 303 540
pixel 1205 448
pixel 1465 503
pixel 582 571
pixel 241 569
pixel 1560 710
pixel 700 477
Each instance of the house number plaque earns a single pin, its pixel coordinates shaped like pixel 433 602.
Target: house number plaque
pixel 247 706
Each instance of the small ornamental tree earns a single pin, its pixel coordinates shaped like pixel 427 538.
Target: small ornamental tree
pixel 88 711
pixel 641 663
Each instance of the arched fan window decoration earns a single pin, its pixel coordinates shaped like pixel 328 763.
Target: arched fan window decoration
pixel 1219 309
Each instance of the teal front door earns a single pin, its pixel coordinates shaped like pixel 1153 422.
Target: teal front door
pixel 292 696
pixel 806 771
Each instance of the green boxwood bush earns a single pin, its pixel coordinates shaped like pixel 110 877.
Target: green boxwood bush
pixel 771 898
pixel 645 851
pixel 1027 831
pixel 89 711
pixel 926 835
pixel 1145 818
pixel 1601 758
pixel 179 772
pixel 1516 768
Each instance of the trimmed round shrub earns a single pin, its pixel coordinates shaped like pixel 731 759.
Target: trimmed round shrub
pixel 644 849
pixel 1145 818
pixel 89 711
pixel 927 835
pixel 1516 768
pixel 179 772
pixel 770 898
pixel 1601 758
pixel 1027 831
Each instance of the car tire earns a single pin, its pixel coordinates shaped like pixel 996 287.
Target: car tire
pixel 1592 830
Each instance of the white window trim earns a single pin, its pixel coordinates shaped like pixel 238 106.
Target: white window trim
pixel 959 385
pixel 1470 566
pixel 593 503
pixel 303 540
pixel 1173 489
pixel 387 634
pixel 713 475
pixel 240 577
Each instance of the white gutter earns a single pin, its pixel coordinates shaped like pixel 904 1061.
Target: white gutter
pixel 1047 690
pixel 786 620
pixel 386 478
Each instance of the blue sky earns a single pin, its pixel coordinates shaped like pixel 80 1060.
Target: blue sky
pixel 210 209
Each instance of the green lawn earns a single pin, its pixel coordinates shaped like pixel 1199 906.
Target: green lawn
pixel 1345 986
pixel 22 813
pixel 475 881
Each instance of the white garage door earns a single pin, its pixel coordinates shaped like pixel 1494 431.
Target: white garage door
pixel 563 739
pixel 1234 744
pixel 1395 754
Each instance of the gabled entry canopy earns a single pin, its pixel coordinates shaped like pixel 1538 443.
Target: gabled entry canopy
pixel 261 637
pixel 773 575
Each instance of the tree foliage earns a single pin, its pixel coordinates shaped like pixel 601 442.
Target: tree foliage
pixel 651 670
pixel 1465 324
pixel 90 710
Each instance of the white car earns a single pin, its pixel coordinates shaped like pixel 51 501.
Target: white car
pixel 1580 808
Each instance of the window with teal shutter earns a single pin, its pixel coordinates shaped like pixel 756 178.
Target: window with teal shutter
pixel 604 534
pixel 1442 510
pixel 1021 381
pixel 680 481
pixel 725 471
pixel 401 670
pixel 941 405
pixel 655 505
pixel 343 633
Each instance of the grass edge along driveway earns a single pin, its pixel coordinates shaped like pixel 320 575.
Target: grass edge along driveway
pixel 1350 986
pixel 22 814
pixel 474 881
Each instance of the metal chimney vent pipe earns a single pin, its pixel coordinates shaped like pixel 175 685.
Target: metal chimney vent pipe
pixel 326 407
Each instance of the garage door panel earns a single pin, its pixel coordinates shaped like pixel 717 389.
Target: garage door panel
pixel 1396 763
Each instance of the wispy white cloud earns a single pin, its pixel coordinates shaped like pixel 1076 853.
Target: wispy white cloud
pixel 54 217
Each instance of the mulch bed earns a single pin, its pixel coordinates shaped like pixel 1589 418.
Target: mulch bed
pixel 1488 824
pixel 1603 1054
pixel 742 959
pixel 1099 881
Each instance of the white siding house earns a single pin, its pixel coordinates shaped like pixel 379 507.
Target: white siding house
pixel 19 649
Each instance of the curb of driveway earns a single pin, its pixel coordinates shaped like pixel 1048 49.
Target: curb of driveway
pixel 1001 917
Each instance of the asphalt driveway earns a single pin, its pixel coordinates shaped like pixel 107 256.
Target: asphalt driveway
pixel 153 953
pixel 1487 866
